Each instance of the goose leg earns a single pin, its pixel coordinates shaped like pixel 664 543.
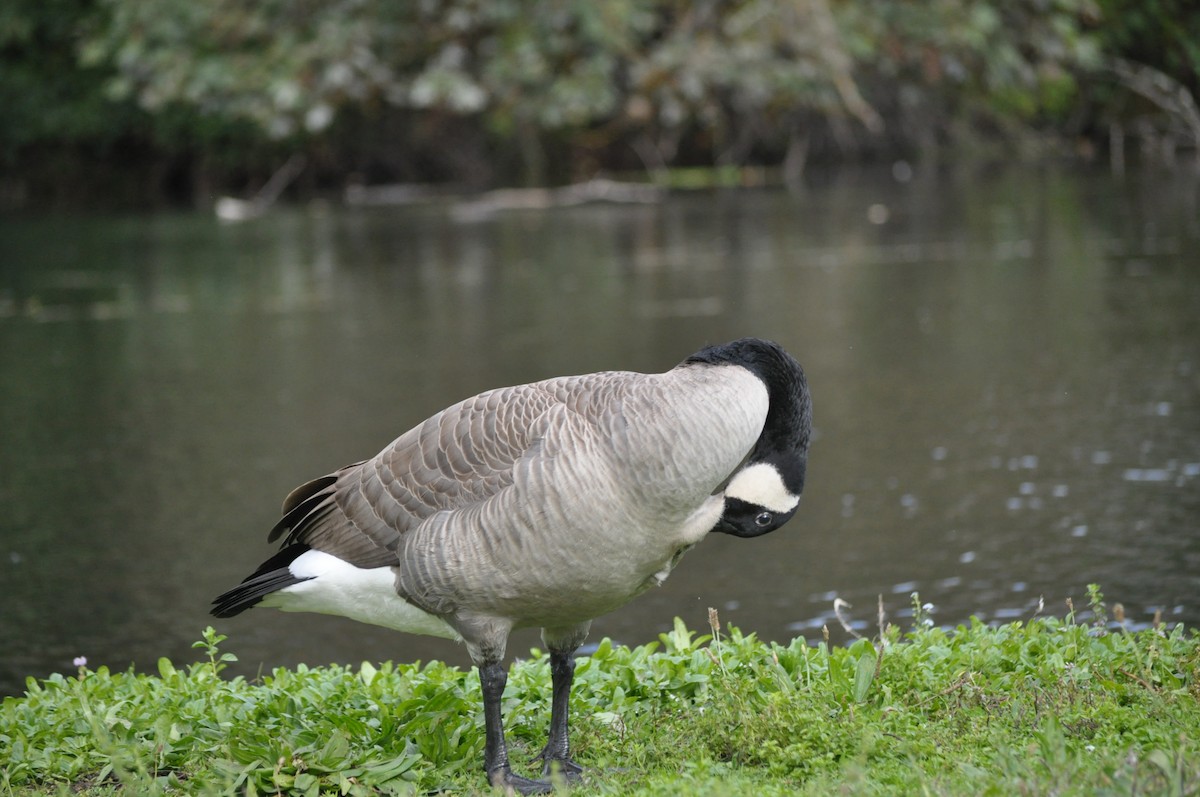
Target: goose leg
pixel 492 678
pixel 556 755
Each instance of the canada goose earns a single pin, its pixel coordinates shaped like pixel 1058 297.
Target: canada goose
pixel 544 505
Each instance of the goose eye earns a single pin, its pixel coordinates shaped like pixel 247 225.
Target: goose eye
pixel 763 519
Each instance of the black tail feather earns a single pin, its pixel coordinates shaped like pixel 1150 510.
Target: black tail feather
pixel 298 512
pixel 271 576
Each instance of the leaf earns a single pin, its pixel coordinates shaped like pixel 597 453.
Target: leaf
pixel 864 675
pixel 307 783
pixel 335 751
pixel 836 673
pixel 680 638
pixel 1161 760
pixel 607 718
pixel 390 771
pixel 367 672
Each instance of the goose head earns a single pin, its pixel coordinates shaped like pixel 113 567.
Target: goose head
pixel 764 492
pixel 758 500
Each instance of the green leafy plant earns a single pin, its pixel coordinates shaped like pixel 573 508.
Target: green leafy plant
pixel 1050 705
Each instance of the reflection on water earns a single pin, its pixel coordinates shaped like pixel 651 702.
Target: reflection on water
pixel 1004 369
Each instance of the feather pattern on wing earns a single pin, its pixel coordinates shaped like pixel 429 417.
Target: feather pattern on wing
pixel 458 457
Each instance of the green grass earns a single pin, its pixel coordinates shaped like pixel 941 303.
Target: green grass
pixel 1045 707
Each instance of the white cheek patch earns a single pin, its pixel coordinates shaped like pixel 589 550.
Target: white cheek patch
pixel 760 484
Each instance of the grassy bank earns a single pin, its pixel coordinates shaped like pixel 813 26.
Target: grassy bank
pixel 1048 706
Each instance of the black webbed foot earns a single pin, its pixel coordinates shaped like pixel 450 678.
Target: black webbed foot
pixel 554 766
pixel 504 778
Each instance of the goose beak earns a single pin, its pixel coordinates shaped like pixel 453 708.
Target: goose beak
pixel 725 527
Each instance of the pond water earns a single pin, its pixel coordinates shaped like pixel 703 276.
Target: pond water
pixel 1005 369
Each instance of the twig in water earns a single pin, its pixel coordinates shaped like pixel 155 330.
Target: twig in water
pixel 838 605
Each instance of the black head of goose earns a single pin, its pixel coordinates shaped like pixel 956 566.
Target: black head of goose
pixel 544 505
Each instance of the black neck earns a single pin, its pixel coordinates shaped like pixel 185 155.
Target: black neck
pixel 788 428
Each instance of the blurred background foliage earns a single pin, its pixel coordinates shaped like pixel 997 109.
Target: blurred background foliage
pixel 128 102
